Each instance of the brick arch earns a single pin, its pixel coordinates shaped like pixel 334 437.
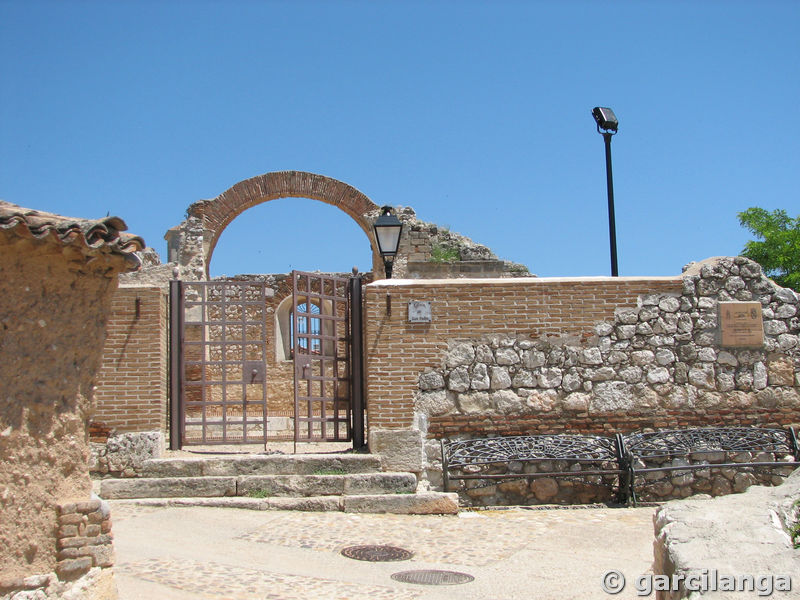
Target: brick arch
pixel 217 214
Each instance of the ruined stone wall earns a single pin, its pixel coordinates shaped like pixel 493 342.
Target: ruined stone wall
pixel 53 310
pixel 132 381
pixel 429 251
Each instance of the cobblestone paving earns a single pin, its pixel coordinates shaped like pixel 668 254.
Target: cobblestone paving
pixel 208 580
pixel 445 539
pixel 232 554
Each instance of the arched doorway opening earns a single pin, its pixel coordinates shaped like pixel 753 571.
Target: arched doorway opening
pixel 298 370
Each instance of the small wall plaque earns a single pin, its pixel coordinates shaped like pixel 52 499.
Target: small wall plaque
pixel 741 324
pixel 419 311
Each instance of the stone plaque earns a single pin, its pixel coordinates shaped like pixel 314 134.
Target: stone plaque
pixel 419 311
pixel 741 324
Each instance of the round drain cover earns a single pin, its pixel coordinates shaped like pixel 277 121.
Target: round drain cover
pixel 433 577
pixel 377 553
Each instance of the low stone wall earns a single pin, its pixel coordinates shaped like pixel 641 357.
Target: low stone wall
pixel 580 489
pixel 657 486
pixel 122 454
pixel 84 538
pixel 722 541
pixel 653 486
pixel 85 555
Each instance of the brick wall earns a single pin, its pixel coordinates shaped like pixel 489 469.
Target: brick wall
pixel 132 381
pixel 534 308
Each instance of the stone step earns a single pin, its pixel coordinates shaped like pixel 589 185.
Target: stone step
pixel 256 464
pixel 424 503
pixel 264 485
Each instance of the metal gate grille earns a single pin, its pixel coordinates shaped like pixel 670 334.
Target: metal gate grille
pixel 223 365
pixel 321 350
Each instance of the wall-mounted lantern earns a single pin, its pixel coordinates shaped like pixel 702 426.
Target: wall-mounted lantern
pixel 387 232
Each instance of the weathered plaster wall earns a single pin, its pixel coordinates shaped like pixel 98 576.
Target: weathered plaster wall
pixel 52 318
pixel 56 279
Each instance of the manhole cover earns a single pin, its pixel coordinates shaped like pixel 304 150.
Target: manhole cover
pixel 377 553
pixel 433 577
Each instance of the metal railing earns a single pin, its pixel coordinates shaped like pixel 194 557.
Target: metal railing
pixel 621 455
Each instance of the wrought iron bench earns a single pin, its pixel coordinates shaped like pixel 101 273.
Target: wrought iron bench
pixel 708 448
pixel 628 457
pixel 485 458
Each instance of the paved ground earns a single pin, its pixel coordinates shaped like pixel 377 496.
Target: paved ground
pixel 216 553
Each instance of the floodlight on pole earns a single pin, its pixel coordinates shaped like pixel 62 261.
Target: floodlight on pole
pixel 607 125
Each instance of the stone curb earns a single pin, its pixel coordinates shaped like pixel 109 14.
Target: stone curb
pixel 306 464
pixel 271 485
pixel 427 503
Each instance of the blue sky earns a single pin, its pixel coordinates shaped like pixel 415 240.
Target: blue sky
pixel 477 114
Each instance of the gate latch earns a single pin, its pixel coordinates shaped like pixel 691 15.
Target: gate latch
pixel 254 371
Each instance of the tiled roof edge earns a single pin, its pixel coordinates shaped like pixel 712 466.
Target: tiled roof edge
pixel 90 235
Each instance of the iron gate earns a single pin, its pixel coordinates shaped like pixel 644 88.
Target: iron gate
pixel 218 361
pixel 219 332
pixel 321 351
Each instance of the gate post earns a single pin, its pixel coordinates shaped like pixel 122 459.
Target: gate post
pixel 357 361
pixel 175 364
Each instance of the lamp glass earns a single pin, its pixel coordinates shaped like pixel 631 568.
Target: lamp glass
pixel 388 239
pixel 387 231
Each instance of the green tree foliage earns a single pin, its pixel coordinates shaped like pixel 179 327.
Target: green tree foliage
pixel 777 249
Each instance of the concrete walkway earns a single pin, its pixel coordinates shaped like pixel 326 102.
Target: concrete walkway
pixel 215 553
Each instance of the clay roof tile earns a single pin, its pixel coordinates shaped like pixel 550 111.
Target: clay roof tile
pixel 90 235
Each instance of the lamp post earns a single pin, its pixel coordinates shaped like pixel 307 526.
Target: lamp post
pixel 607 122
pixel 387 232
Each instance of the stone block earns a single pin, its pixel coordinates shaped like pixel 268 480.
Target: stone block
pixel 72 568
pixel 499 379
pixel 507 356
pixel 460 354
pixel 479 377
pixel 576 402
pixel 544 488
pixel 658 375
pixel 399 449
pixel 532 359
pixel 550 377
pixel 427 503
pixel 161 467
pixel 781 371
pixel 102 556
pixel 431 381
pixel 291 485
pixel 379 483
pixel 474 402
pixel 458 380
pixel 168 487
pixel 434 403
pixel 612 396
